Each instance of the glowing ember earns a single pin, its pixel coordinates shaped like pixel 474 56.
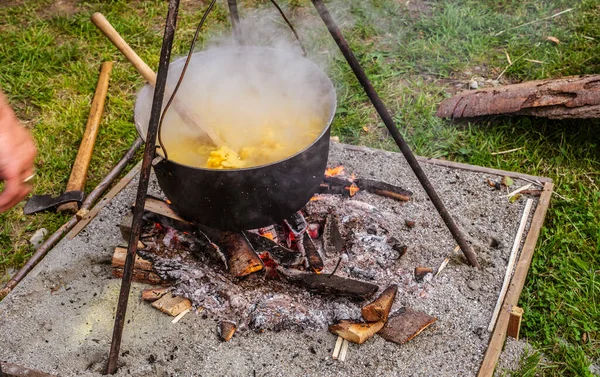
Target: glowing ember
pixel 332 172
pixel 353 189
pixel 315 198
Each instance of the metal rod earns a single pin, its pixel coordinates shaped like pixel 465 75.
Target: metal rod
pixel 287 21
pixel 391 126
pixel 138 211
pixel 41 252
pixel 235 21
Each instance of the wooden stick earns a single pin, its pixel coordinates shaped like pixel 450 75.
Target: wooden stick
pixel 180 315
pixel 516 285
pixel 344 350
pixel 511 262
pixel 86 148
pixel 514 322
pixel 337 348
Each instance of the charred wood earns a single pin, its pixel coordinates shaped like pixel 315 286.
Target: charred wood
pixel 282 255
pixel 356 332
pixel 242 260
pixel 384 189
pixel 330 284
pixel 315 262
pixel 405 324
pixel 296 224
pixel 379 310
pixel 332 238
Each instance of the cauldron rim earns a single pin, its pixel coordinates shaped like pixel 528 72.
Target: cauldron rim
pixel 326 80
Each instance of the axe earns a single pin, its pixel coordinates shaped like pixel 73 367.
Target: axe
pixel 71 199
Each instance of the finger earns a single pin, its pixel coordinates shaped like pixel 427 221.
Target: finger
pixel 13 193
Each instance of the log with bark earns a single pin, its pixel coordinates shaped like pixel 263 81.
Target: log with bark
pixel 142 268
pixel 282 255
pixel 569 97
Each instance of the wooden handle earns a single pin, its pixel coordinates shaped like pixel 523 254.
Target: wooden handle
pixel 102 23
pixel 208 134
pixel 84 155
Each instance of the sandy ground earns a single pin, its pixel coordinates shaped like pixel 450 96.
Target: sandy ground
pixel 59 319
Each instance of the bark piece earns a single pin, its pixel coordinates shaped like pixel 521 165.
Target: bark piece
pixel 332 238
pixel 172 305
pixel 226 330
pixel 569 97
pixel 153 294
pixel 330 284
pixel 405 324
pixel 356 332
pixel 379 309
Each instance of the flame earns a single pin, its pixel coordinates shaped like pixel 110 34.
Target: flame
pixel 353 189
pixel 315 198
pixel 168 201
pixel 332 172
pixel 269 235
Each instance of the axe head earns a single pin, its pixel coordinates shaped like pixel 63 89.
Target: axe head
pixel 38 203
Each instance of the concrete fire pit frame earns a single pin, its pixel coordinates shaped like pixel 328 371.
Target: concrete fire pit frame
pixel 499 334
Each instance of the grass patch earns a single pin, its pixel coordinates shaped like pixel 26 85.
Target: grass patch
pixel 415 55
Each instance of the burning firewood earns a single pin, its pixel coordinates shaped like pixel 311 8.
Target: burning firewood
pixel 153 294
pixel 384 189
pixel 172 305
pixel 379 309
pixel 421 272
pixel 405 324
pixel 330 284
pixel 282 255
pixel 241 259
pixel 356 332
pixel 312 255
pixel 226 330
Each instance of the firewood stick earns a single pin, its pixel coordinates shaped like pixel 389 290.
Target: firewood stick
pixel 445 262
pixel 344 350
pixel 511 263
pixel 337 348
pixel 180 315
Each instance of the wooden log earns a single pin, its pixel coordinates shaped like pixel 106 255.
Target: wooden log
pixel 140 276
pixel 330 284
pixel 242 260
pixel 165 215
pixel 405 324
pixel 384 189
pixel 514 322
pixel 356 332
pixel 226 330
pixel 379 309
pixel 153 294
pixel 333 242
pixel 120 254
pixel 569 97
pixel 313 257
pixel 172 305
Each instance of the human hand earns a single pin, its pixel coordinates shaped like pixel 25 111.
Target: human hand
pixel 17 152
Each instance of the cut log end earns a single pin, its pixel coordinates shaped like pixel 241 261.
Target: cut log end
pixel 172 305
pixel 379 310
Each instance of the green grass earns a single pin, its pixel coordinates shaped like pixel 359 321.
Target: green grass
pixel 415 56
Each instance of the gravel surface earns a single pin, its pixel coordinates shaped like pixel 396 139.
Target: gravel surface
pixel 59 319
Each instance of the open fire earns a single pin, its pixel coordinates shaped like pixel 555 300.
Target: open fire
pixel 314 269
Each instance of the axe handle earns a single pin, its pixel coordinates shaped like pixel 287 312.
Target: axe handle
pixel 84 155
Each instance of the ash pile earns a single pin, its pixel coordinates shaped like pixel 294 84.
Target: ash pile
pixel 323 267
